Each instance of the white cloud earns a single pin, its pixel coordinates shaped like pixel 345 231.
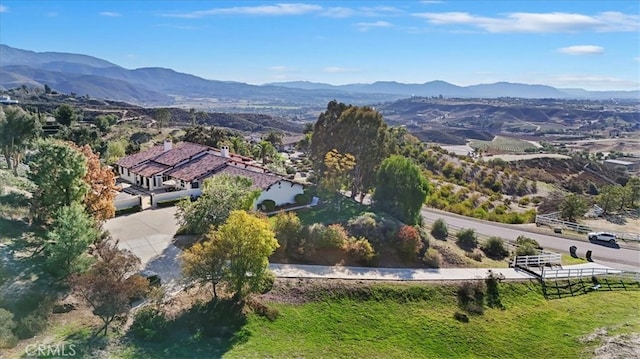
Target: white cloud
pixel 366 26
pixel 3 9
pixel 582 50
pixel 338 69
pixel 379 11
pixel 339 12
pixel 268 10
pixel 110 14
pixel 281 69
pixel 539 22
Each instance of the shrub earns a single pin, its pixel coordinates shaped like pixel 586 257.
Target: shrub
pixel 31 325
pixel 440 230
pixel 287 228
pixel 466 239
pixel 361 250
pixel 408 242
pixel 475 255
pixel 302 198
pixel 335 236
pixel 268 205
pixel 493 290
pixel 266 282
pixel 7 339
pixel 431 258
pixel 526 246
pixel 373 227
pixel 495 248
pixel 461 317
pixel 471 297
pixel 149 323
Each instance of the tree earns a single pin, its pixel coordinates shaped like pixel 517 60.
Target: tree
pixel 336 175
pixel 108 286
pixel 401 189
pixel 206 136
pixel 221 194
pixel 440 230
pixel 274 138
pixel 18 129
pixel 238 145
pixel 360 131
pixel 58 171
pixel 287 227
pixel 104 122
pixel 115 151
pixel 70 235
pixel 249 241
pixel 206 262
pixel 101 180
pixel 610 198
pixel 65 114
pixel 162 117
pixel 632 191
pixel 572 207
pixel 265 151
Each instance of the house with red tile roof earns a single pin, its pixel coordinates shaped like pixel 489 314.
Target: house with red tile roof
pixel 186 165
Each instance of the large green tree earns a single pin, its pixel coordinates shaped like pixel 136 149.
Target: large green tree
pixel 18 129
pixel 360 131
pixel 632 191
pixel 69 237
pixel 204 135
pixel 65 114
pixel 221 194
pixel 336 175
pixel 58 171
pixel 573 207
pixel 401 189
pixel 249 241
pixel 610 198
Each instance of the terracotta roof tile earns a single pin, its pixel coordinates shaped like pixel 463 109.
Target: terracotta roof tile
pixel 148 169
pixel 180 152
pixel 137 158
pixel 198 167
pixel 259 180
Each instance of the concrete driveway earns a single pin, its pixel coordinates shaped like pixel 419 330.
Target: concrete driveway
pixel 149 235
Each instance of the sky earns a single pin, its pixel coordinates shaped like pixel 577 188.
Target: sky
pixel 587 44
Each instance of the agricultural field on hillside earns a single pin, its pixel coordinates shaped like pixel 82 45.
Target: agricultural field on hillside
pixel 502 144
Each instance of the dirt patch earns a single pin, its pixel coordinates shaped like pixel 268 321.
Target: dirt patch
pixel 619 346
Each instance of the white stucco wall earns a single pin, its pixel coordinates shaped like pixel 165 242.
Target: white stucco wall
pixel 282 193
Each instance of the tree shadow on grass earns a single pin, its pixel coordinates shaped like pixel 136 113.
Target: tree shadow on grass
pixel 12 228
pixel 14 199
pixel 206 330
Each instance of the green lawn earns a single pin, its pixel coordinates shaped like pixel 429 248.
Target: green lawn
pixel 405 321
pixel 529 327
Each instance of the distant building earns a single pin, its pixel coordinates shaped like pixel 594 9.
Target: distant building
pixel 6 100
pixel 628 165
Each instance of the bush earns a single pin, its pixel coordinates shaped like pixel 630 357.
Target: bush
pixel 440 230
pixel 7 338
pixel 375 228
pixel 268 205
pixel 461 317
pixel 431 258
pixel 149 324
pixel 302 198
pixel 287 228
pixel 471 297
pixel 526 246
pixel 466 239
pixel 475 255
pixel 31 325
pixel 408 243
pixel 495 248
pixel 335 236
pixel 361 250
pixel 266 282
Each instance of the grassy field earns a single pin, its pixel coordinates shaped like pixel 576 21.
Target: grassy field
pixel 329 214
pixel 408 321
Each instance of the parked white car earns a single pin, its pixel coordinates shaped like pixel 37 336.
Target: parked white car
pixel 603 236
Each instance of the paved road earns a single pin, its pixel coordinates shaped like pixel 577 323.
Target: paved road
pixel 622 258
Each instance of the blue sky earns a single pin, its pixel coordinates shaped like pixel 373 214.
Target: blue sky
pixel 589 44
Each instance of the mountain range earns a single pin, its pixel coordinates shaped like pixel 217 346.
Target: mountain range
pixel 87 75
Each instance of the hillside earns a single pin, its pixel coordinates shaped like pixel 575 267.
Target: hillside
pixel 87 75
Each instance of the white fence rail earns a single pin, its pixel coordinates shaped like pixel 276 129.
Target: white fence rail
pixel 128 203
pixel 538 260
pixel 585 272
pixel 170 196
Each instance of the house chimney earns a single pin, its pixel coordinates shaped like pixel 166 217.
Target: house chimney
pixel 168 145
pixel 224 151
